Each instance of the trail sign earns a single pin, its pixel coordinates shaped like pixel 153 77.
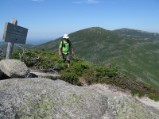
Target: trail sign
pixel 14 33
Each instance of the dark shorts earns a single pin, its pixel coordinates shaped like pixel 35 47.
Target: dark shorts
pixel 66 57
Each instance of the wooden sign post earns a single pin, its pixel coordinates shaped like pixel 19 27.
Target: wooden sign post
pixel 14 34
pixel 10 44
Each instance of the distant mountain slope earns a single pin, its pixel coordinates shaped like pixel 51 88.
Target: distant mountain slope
pixel 138 33
pixel 3 46
pixel 134 51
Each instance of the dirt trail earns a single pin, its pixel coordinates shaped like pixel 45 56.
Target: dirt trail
pixel 149 102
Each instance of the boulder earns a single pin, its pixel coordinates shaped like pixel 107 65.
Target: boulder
pixel 3 76
pixel 39 98
pixel 1 73
pixel 35 98
pixel 123 105
pixel 13 68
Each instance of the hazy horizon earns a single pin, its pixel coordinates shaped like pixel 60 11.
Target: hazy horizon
pixel 37 41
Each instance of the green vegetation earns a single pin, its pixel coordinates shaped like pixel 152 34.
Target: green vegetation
pixel 39 59
pixel 81 69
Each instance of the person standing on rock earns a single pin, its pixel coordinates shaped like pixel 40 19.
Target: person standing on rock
pixel 66 50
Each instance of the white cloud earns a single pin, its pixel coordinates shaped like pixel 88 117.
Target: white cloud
pixel 87 2
pixel 92 1
pixel 37 0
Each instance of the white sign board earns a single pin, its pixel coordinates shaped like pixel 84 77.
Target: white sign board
pixel 14 33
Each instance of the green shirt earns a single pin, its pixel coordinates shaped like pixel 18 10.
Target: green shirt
pixel 65 46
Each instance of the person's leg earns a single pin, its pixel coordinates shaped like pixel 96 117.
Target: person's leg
pixel 68 65
pixel 64 57
pixel 68 57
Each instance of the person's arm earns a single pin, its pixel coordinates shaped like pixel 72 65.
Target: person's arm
pixel 60 49
pixel 72 51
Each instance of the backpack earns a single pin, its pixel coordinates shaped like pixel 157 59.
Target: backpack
pixel 68 41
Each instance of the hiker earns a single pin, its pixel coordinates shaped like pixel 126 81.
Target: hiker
pixel 66 49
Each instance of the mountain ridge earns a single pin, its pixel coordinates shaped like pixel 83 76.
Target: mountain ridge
pixel 137 33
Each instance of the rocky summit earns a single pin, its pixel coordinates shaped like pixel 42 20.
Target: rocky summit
pixel 42 98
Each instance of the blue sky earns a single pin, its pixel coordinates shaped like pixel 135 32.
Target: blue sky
pixel 50 19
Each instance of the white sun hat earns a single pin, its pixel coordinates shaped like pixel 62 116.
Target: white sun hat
pixel 66 36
